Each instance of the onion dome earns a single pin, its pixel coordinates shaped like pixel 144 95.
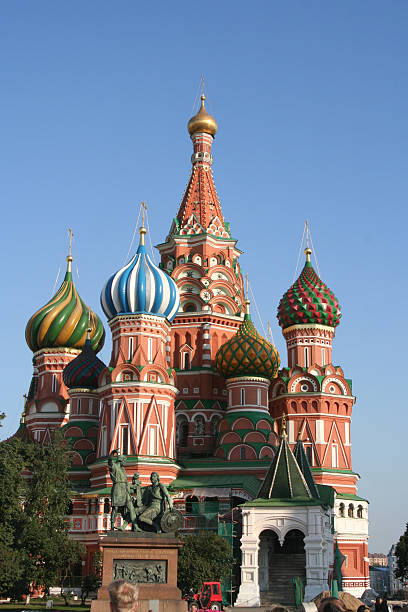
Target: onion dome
pixel 202 121
pixel 140 287
pixel 309 301
pixel 247 353
pixel 63 321
pixel 84 370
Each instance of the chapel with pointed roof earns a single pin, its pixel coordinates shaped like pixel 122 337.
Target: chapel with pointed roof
pixel 195 393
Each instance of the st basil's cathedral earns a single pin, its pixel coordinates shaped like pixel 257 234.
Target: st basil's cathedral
pixel 195 393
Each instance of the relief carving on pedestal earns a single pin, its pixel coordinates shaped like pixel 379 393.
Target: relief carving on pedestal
pixel 140 570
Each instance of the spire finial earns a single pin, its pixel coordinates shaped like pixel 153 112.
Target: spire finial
pixel 308 250
pixel 247 301
pixel 89 329
pixel 284 435
pixel 69 257
pixel 142 230
pixel 202 90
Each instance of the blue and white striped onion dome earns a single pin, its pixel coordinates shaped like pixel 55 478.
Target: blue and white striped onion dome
pixel 140 287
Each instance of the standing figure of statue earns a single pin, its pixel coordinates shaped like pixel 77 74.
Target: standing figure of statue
pixel 151 501
pixel 121 499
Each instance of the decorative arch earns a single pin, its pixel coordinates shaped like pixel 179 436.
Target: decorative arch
pixel 76 459
pixel 242 423
pixel 336 382
pixel 266 452
pixel 242 452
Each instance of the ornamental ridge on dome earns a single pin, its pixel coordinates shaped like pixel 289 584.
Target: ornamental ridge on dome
pixel 309 301
pixel 140 287
pixel 247 353
pixel 63 321
pixel 84 370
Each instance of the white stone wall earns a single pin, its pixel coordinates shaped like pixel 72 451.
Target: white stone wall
pixel 313 521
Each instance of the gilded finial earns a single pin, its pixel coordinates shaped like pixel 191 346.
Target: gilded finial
pixel 308 250
pixel 284 435
pixel 69 257
pixel 142 230
pixel 247 301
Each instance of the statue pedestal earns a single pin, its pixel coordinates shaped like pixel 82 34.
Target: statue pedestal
pixel 146 559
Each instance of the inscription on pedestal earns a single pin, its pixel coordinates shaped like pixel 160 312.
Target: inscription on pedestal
pixel 140 570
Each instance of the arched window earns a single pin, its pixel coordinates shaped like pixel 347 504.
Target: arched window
pixel 242 452
pixel 106 505
pixel 309 454
pixel 341 510
pixel 351 511
pixel 181 430
pixel 190 307
pixel 186 361
pixel 199 425
pixel 214 425
pixel 360 511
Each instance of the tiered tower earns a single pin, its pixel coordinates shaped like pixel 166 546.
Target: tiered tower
pixel 248 363
pixel 56 333
pixel 137 390
pixel 318 400
pixel 202 258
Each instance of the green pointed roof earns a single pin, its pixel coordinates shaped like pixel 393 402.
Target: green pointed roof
pixel 301 458
pixel 284 479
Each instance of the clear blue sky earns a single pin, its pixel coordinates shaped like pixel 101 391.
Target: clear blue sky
pixel 311 103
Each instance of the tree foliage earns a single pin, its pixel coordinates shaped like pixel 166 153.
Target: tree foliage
pixel 401 552
pixel 203 557
pixel 34 496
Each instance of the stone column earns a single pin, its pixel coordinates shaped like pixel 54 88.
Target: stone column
pixel 249 594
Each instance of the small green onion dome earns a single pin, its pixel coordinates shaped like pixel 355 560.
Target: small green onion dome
pixel 63 321
pixel 309 301
pixel 247 353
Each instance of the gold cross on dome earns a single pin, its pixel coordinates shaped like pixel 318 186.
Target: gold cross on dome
pixel 144 208
pixel 71 235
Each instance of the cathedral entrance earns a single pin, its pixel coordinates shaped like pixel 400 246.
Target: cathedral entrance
pixel 278 565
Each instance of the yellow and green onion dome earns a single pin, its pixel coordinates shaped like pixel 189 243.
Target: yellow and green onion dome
pixel 309 301
pixel 64 320
pixel 247 353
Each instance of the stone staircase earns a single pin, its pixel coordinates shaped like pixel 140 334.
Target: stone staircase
pixel 282 569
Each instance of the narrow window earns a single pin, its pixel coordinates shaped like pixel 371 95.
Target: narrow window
pixel 104 441
pixel 79 406
pixel 186 361
pixel 106 505
pixel 242 452
pixel 42 382
pixel 230 398
pixel 306 357
pixel 150 349
pixel 335 458
pixel 242 397
pixel 54 383
pixel 341 509
pixel 130 355
pixel 124 441
pixel 323 357
pixel 258 394
pixel 152 441
pixel 351 511
pixel 360 512
pixel 309 454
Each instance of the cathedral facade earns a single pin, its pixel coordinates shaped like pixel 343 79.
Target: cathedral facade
pixel 193 392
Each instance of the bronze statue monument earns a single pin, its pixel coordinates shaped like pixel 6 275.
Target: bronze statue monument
pixel 147 510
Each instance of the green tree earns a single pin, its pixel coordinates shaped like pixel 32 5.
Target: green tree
pixel 401 552
pixel 34 498
pixel 205 556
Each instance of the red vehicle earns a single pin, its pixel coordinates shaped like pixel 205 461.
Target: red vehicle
pixel 210 597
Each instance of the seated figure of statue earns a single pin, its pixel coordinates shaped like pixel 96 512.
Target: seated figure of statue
pixel 150 501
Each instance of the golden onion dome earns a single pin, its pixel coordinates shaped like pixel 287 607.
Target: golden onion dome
pixel 202 121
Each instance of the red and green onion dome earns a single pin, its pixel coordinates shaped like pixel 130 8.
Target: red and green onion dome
pixel 247 353
pixel 84 370
pixel 64 320
pixel 309 301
